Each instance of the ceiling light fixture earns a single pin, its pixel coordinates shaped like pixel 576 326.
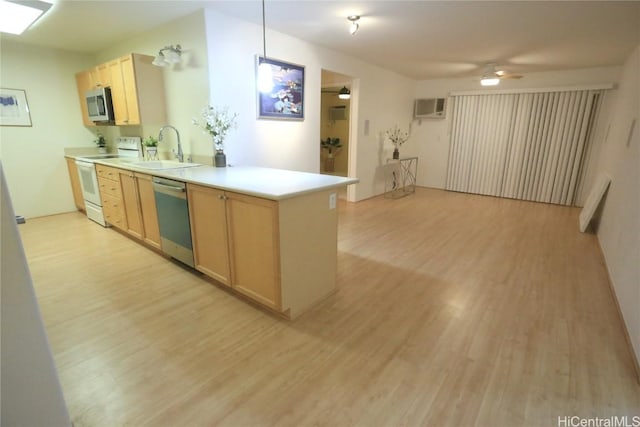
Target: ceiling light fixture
pixel 172 56
pixel 344 93
pixel 17 16
pixel 265 79
pixel 489 81
pixel 353 28
pixel 490 77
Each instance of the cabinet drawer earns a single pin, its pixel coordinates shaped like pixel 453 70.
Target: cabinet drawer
pixel 107 172
pixel 109 187
pixel 115 219
pixel 113 211
pixel 112 204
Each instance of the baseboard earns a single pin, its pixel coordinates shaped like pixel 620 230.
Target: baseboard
pixel 627 336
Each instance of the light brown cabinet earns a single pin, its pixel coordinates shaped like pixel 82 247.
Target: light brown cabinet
pixel 282 254
pixel 111 196
pixel 100 76
pixel 140 207
pixel 148 212
pixel 208 219
pixel 279 253
pixel 76 188
pixel 137 90
pixel 83 83
pixel 252 225
pixel 235 241
pixel 130 201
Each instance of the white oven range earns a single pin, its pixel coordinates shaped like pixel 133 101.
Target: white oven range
pixel 127 147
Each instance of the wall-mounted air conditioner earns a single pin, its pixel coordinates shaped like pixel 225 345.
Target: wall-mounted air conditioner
pixel 338 113
pixel 431 108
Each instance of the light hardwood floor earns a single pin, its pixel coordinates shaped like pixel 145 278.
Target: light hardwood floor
pixel 451 310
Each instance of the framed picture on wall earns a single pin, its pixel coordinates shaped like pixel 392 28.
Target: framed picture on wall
pixel 286 100
pixel 14 110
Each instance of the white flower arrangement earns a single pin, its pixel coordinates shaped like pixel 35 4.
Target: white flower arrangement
pixel 397 136
pixel 216 122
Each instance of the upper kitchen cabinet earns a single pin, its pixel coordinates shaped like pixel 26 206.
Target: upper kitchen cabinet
pixel 100 76
pixel 137 90
pixel 97 77
pixel 83 82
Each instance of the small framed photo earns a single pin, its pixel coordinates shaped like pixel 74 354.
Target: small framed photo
pixel 14 110
pixel 286 99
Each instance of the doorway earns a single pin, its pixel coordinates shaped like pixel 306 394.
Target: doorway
pixel 335 126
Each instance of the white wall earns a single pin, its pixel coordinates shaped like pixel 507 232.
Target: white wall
pixel 432 136
pixel 619 228
pixel 33 156
pixel 31 392
pixel 379 96
pixel 186 84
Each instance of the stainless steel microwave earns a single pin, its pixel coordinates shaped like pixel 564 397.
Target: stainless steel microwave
pixel 99 105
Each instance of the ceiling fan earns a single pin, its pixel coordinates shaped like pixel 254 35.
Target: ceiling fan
pixel 492 75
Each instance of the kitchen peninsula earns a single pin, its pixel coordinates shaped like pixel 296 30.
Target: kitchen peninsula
pixel 268 234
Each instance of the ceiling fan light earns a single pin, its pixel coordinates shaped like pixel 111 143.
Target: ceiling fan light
pixel 489 81
pixel 344 93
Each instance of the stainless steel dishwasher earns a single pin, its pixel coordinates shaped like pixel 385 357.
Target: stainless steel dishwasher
pixel 173 218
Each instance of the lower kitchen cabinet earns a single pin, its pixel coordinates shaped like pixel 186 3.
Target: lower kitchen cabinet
pixel 148 212
pixel 252 225
pixel 282 254
pixel 140 207
pixel 130 200
pixel 208 219
pixel 111 195
pixel 235 241
pixel 76 188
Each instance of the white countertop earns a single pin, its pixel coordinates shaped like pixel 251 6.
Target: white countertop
pixel 274 184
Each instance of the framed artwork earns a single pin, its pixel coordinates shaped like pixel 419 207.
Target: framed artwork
pixel 14 110
pixel 286 99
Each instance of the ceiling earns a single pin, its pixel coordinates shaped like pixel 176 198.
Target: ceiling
pixel 419 39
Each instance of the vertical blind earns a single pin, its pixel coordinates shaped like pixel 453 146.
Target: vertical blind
pixel 528 146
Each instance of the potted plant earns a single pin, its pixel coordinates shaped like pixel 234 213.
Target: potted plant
pixel 397 138
pixel 217 122
pixel 151 147
pixel 332 145
pixel 101 142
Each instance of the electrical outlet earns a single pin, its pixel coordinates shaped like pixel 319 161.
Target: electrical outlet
pixel 333 198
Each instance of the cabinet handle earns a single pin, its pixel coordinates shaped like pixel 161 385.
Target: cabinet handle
pixel 222 197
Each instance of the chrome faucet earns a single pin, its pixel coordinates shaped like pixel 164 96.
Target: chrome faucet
pixel 179 155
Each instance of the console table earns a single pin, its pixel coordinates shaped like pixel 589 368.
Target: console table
pixel 400 177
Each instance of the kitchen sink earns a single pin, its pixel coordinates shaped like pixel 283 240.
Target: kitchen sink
pixel 163 164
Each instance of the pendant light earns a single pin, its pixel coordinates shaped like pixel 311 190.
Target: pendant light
pixel 353 28
pixel 265 79
pixel 344 93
